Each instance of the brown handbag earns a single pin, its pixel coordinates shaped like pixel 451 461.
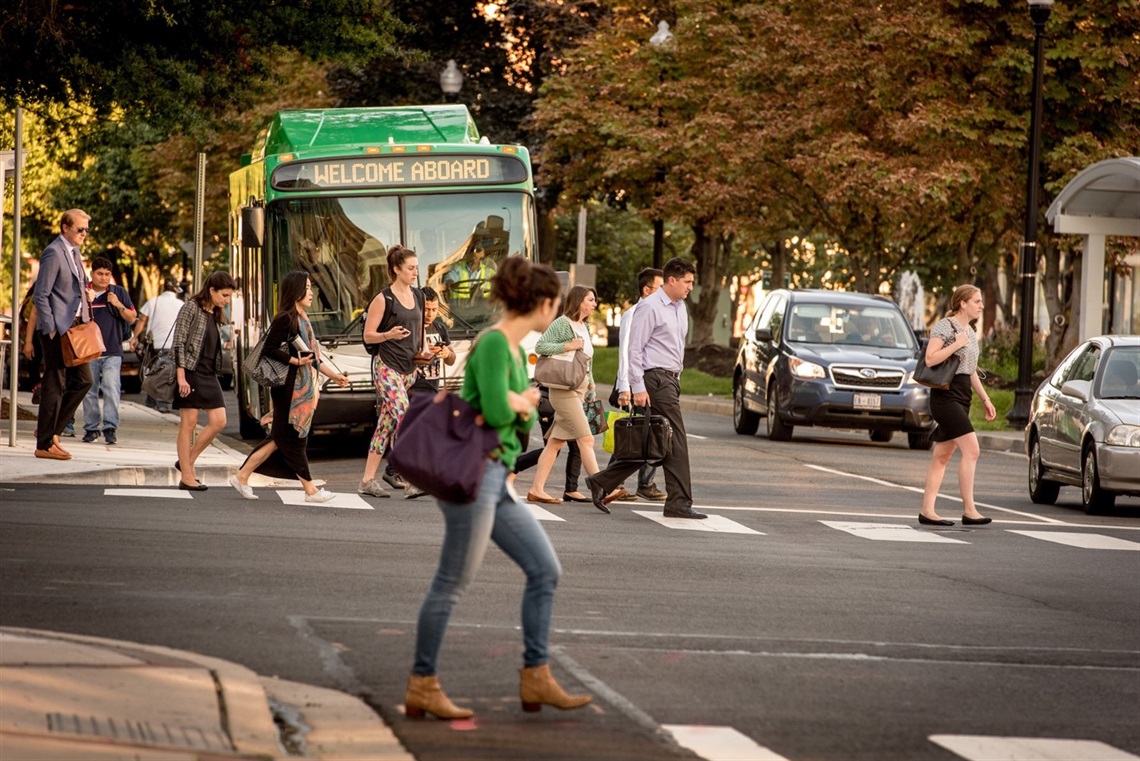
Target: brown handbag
pixel 82 343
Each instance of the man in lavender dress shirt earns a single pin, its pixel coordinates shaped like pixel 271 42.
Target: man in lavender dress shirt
pixel 656 357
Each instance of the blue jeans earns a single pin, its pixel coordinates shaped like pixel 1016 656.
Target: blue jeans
pixel 497 516
pixel 106 372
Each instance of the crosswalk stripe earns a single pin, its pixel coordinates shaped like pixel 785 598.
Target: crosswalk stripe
pixel 543 514
pixel 1084 541
pixel 716 523
pixel 347 501
pixel 172 493
pixel 981 748
pixel 719 743
pixel 890 532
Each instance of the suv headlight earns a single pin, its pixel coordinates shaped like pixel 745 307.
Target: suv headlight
pixel 801 368
pixel 1124 436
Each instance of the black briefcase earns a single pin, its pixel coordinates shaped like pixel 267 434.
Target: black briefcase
pixel 643 438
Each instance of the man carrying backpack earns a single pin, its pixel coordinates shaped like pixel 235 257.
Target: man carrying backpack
pixel 114 313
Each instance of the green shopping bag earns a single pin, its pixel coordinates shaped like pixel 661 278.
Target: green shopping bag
pixel 608 439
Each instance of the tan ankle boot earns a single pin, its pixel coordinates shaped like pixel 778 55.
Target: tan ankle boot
pixel 537 686
pixel 425 694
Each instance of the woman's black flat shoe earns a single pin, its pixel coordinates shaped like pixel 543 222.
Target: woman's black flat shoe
pixel 976 521
pixel 940 522
pixel 570 498
pixel 187 487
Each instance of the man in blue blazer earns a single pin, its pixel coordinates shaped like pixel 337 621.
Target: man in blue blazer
pixel 61 301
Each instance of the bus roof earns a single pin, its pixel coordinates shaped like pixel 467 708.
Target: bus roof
pixel 337 128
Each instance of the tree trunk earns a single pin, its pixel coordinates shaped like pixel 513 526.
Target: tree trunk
pixel 712 254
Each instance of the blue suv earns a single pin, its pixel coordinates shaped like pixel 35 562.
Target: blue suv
pixel 833 359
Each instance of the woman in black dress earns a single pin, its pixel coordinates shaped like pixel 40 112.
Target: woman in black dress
pixel 290 340
pixel 197 352
pixel 950 407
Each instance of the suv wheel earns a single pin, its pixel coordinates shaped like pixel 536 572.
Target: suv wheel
pixel 881 435
pixel 778 430
pixel 1041 490
pixel 744 420
pixel 920 440
pixel 1093 497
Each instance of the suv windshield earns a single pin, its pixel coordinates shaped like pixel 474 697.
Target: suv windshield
pixel 877 326
pixel 342 242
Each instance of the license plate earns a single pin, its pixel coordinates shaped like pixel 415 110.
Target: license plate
pixel 868 401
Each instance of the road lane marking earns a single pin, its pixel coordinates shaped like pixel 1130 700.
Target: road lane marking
pixel 1084 541
pixel 890 532
pixel 172 493
pixel 719 743
pixel 717 523
pixel 981 748
pixel 1057 524
pixel 347 501
pixel 542 513
pixel 916 489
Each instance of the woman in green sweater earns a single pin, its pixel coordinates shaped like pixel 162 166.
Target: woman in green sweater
pixel 496 385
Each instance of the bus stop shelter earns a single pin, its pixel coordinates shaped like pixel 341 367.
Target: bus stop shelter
pixel 1102 200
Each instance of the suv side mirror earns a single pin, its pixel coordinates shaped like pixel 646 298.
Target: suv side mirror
pixel 763 335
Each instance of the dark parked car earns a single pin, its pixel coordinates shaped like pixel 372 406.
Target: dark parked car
pixel 834 359
pixel 1084 425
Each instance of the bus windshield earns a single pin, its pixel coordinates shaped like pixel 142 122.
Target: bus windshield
pixel 342 242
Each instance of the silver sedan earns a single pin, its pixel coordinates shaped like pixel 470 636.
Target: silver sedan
pixel 1084 425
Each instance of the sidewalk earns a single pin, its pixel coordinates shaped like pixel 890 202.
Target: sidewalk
pixel 144 456
pixel 88 699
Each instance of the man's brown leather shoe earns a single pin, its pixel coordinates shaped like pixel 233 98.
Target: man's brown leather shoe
pixel 56 445
pixel 52 454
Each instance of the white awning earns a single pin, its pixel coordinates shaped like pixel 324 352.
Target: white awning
pixel 1103 199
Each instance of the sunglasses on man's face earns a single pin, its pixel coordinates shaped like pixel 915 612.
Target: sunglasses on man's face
pixel 82 230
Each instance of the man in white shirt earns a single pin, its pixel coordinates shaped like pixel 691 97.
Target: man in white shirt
pixel 648 281
pixel 157 318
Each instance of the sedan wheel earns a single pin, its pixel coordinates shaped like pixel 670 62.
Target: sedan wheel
pixel 1041 490
pixel 1093 497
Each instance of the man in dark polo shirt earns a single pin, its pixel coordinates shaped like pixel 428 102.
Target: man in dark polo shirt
pixel 114 313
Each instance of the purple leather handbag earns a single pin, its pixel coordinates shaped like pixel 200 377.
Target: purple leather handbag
pixel 442 446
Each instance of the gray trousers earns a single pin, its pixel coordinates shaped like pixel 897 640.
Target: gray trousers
pixel 665 399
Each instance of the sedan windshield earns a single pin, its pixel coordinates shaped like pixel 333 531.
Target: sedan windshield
pixel 1118 379
pixel 880 327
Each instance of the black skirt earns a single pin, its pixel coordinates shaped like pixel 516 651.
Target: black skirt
pixel 205 391
pixel 951 409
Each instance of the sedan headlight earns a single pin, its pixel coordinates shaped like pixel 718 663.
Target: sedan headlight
pixel 1124 436
pixel 801 368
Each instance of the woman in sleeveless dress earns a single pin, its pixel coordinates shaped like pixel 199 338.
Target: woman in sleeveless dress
pixel 394 366
pixel 950 407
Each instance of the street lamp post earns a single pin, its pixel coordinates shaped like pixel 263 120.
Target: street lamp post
pixel 451 81
pixel 1018 416
pixel 660 38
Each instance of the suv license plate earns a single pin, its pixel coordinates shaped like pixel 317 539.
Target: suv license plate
pixel 868 401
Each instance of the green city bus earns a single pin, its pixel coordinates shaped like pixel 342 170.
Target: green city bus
pixel 328 191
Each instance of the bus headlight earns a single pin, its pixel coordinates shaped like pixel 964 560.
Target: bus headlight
pixel 1124 436
pixel 801 368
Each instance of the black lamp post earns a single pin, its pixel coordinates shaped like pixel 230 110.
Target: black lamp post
pixel 451 81
pixel 660 38
pixel 1018 416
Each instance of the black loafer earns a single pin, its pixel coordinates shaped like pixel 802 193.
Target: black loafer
pixel 976 521
pixel 187 487
pixel 597 495
pixel 931 522
pixel 687 512
pixel 567 498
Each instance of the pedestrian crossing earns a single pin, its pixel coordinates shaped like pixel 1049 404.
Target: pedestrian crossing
pixel 714 743
pixel 868 530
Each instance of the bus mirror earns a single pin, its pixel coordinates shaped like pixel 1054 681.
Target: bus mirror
pixel 252 226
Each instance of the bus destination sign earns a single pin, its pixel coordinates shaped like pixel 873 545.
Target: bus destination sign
pixel 393 171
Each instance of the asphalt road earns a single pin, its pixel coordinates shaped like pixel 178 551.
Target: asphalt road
pixel 813 640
